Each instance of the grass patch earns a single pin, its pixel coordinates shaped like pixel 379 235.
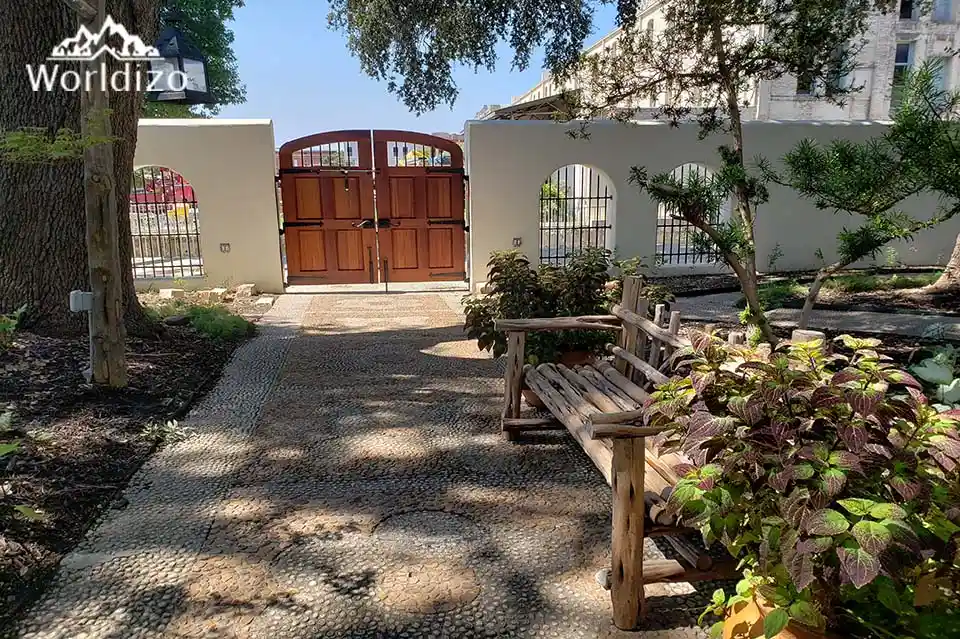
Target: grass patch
pixel 862 283
pixel 216 322
pixel 777 294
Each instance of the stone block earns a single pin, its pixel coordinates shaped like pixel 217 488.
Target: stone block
pixel 172 293
pixel 264 301
pixel 213 295
pixel 246 290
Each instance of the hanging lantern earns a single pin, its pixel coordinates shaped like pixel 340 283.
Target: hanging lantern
pixel 181 72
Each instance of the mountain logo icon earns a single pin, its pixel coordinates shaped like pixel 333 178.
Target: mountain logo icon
pixel 87 46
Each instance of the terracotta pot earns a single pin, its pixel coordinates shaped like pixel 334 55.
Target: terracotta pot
pixel 745 621
pixel 532 399
pixel 576 358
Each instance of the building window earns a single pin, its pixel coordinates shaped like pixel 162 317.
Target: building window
pixel 941 71
pixel 943 11
pixel 907 10
pixel 901 67
pixel 805 84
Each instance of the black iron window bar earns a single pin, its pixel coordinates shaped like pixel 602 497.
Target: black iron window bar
pixel 675 237
pixel 164 245
pixel 574 213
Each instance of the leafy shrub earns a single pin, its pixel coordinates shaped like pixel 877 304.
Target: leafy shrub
pixel 218 323
pixel 829 477
pixel 214 321
pixel 9 324
pixel 520 292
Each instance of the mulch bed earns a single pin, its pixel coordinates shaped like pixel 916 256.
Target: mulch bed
pixel 911 301
pixel 81 445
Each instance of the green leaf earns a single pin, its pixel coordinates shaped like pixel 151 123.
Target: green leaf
pixel 719 598
pixel 807 614
pixel 872 536
pixel 888 511
pixel 827 522
pixel 802 471
pixel 887 595
pixel 716 630
pixel 6 449
pixel 775 621
pixel 857 506
pixel 29 513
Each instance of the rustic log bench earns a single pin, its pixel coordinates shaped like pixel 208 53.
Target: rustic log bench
pixel 599 403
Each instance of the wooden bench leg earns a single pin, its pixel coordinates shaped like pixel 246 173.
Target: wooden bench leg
pixel 626 588
pixel 513 382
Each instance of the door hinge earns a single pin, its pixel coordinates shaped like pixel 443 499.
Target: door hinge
pixel 462 223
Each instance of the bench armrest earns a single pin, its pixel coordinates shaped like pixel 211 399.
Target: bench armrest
pixel 585 322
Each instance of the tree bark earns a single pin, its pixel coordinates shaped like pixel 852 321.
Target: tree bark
pixel 42 237
pixel 950 279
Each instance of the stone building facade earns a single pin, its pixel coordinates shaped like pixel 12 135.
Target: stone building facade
pixel 897 41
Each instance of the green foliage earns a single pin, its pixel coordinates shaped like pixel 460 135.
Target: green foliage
pixel 204 22
pixel 940 373
pixel 9 324
pixel 781 293
pixel 8 447
pixel 871 179
pixel 169 432
pixel 829 477
pixel 213 321
pixel 519 291
pixel 37 145
pixel 218 323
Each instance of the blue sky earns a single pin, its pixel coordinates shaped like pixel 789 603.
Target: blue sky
pixel 299 73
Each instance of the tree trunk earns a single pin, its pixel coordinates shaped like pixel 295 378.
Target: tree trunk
pixel 950 280
pixel 42 236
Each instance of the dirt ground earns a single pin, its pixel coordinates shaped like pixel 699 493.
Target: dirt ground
pixel 80 445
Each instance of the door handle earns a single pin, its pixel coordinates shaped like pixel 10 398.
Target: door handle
pixel 363 224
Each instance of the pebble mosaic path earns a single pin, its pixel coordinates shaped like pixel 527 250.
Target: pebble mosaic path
pixel 346 479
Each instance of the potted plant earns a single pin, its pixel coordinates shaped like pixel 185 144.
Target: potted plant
pixel 829 477
pixel 519 291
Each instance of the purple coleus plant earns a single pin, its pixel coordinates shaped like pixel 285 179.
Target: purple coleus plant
pixel 828 475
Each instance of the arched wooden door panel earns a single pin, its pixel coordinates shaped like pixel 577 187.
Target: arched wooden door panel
pixel 362 206
pixel 420 203
pixel 326 183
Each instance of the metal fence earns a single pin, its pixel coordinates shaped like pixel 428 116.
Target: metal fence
pixel 676 239
pixel 575 212
pixel 165 225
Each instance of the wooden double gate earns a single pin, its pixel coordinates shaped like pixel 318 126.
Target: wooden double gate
pixel 373 206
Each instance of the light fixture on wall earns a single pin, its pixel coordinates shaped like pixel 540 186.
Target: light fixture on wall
pixel 181 74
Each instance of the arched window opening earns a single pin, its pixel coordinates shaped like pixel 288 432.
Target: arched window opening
pixel 576 212
pixel 408 154
pixel 164 225
pixel 678 241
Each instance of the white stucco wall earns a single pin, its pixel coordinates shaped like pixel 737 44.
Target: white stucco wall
pixel 507 162
pixel 230 165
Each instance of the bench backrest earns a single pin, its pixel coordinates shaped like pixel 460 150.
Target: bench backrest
pixel 650 339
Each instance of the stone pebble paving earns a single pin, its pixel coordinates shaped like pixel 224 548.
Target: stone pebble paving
pixel 346 479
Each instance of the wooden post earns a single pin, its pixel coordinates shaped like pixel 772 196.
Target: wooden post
pixel 656 344
pixel 628 511
pixel 513 381
pixel 630 333
pixel 108 364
